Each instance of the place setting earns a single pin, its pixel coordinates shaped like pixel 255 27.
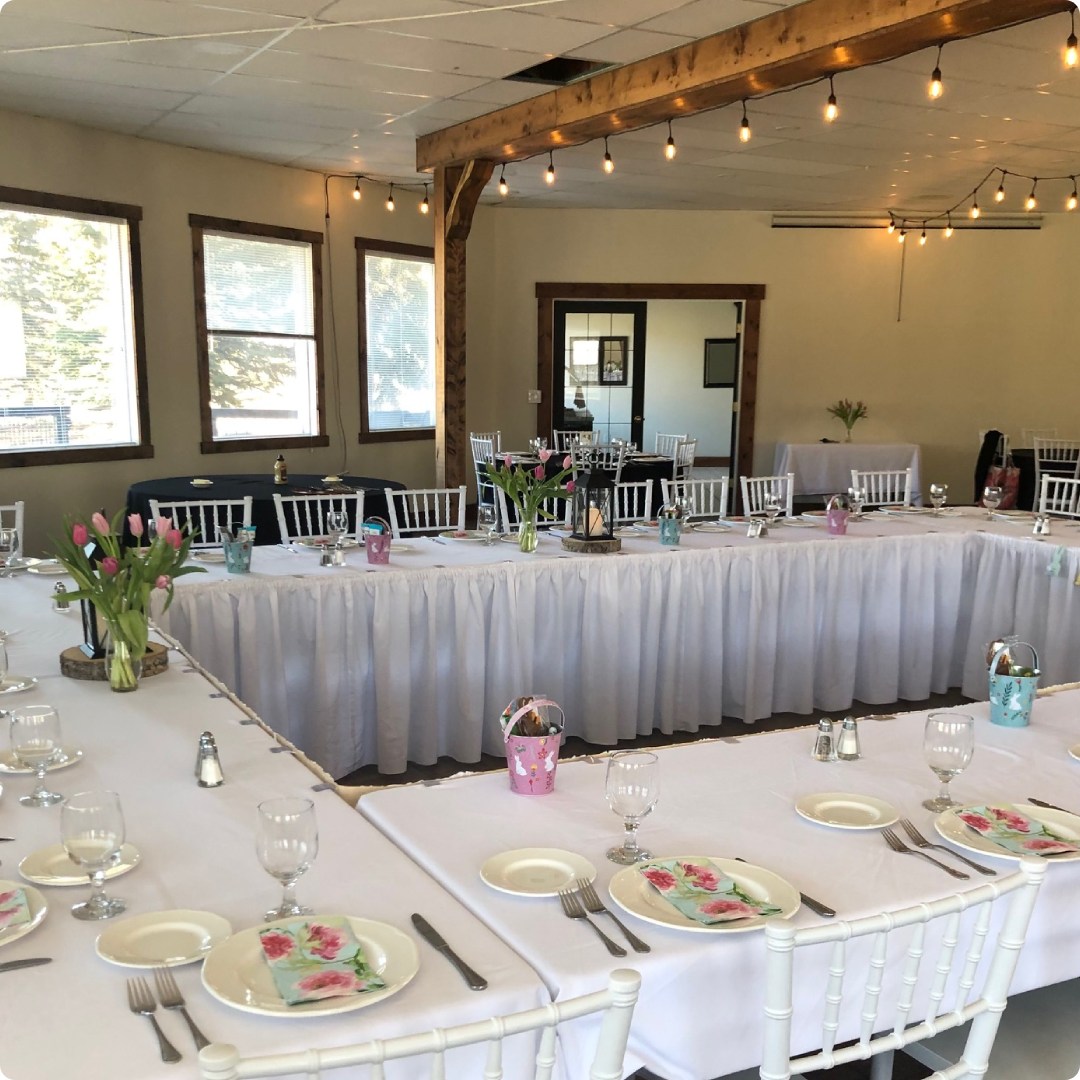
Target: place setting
pixel 11 683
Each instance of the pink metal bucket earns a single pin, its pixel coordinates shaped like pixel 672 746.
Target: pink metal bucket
pixel 531 760
pixel 836 516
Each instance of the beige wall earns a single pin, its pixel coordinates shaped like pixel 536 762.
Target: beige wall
pixel 988 336
pixel 169 183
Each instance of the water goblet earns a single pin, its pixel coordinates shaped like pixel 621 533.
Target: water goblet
pixel 287 841
pixel 772 508
pixel 948 743
pixel 633 786
pixel 35 742
pixel 487 522
pixel 8 541
pixel 938 495
pixel 92 831
pixel 858 498
pixel 992 496
pixel 337 525
pixel 541 442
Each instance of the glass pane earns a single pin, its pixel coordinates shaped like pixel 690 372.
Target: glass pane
pixel 259 285
pixel 400 342
pixel 262 387
pixel 67 339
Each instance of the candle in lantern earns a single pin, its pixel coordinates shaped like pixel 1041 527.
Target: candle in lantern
pixel 596 522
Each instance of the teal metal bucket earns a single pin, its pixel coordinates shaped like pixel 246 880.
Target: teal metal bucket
pixel 1012 696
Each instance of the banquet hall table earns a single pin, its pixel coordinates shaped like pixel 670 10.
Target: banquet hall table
pixel 70 1019
pixel 701 1009
pixel 261 488
pixel 825 468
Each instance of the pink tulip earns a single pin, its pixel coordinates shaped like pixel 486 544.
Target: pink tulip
pixel 538 472
pixel 174 538
pixel 567 461
pixel 163 581
pixel 545 454
pixel 135 524
pixel 109 565
pixel 570 485
pixel 79 535
pixel 508 461
pixel 99 523
pixel 164 524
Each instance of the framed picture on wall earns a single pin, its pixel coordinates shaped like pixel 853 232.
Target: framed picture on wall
pixel 614 361
pixel 721 362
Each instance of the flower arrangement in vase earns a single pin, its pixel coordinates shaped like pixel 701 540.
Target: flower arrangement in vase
pixel 119 583
pixel 849 414
pixel 529 489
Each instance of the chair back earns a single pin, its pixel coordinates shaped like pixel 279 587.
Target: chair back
pixel 610 458
pixel 1060 495
pixel 633 501
pixel 205 516
pixel 485 445
pixel 305 515
pixel 755 490
pixel 666 444
pixel 783 940
pixel 492 437
pixel 565 438
pixel 1056 457
pixel 883 487
pixel 423 510
pixel 510 520
pixel 222 1061
pixel 1030 434
pixel 685 452
pixel 706 499
pixel 13 516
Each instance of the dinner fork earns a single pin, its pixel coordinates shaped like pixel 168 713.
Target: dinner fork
pixel 595 907
pixel 920 841
pixel 141 1001
pixel 170 997
pixel 572 909
pixel 901 848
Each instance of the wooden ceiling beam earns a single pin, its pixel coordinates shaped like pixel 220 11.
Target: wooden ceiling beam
pixel 792 46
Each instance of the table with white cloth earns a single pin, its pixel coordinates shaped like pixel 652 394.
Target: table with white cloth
pixel 70 1019
pixel 414 660
pixel 825 468
pixel 701 1008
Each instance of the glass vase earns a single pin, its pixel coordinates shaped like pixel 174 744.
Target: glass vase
pixel 848 438
pixel 123 667
pixel 527 536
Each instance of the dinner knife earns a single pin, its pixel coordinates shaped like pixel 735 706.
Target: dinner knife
pixel 434 938
pixel 1049 806
pixel 815 906
pixel 15 965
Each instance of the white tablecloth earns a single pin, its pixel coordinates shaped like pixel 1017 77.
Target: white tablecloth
pixel 70 1018
pixel 416 660
pixel 825 468
pixel 700 1014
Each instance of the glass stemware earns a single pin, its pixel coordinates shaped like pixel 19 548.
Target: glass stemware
pixel 487 522
pixel 8 540
pixel 992 496
pixel 92 830
pixel 3 660
pixel 858 499
pixel 633 786
pixel 938 494
pixel 337 525
pixel 287 841
pixel 948 743
pixel 772 508
pixel 35 742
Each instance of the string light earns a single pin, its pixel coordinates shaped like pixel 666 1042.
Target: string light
pixel 831 110
pixel 1074 198
pixel 892 225
pixel 936 86
pixel 669 149
pixel 1071 56
pixel 744 127
pixel 390 199
pixel 425 206
pixel 549 176
pixel 922 239
pixel 356 190
pixel 975 211
pixel 948 228
pixel 1031 200
pixel 504 187
pixel 609 165
pixel 903 235
pixel 999 195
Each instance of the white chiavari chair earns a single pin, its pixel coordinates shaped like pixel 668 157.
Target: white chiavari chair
pixel 424 510
pixel 665 444
pixel 1030 434
pixel 485 445
pixel 783 941
pixel 493 437
pixel 13 516
pixel 883 487
pixel 755 490
pixel 299 516
pixel 608 458
pixel 1060 495
pixel 683 466
pixel 707 499
pixel 222 1061
pixel 633 501
pixel 564 439
pixel 510 521
pixel 1056 457
pixel 205 516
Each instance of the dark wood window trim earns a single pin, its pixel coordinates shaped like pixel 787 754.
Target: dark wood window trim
pixel 386 247
pixel 43 200
pixel 209 445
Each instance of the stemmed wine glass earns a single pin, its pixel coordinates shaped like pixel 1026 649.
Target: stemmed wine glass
pixel 92 829
pixel 948 743
pixel 858 498
pixel 487 522
pixel 35 742
pixel 992 496
pixel 337 525
pixel 287 841
pixel 772 508
pixel 633 786
pixel 8 542
pixel 938 495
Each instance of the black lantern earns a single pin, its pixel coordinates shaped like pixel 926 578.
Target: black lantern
pixel 94 631
pixel 593 514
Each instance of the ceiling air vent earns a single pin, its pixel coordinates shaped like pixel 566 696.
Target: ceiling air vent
pixel 559 71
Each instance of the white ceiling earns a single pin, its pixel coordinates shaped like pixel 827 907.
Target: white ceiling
pixel 283 81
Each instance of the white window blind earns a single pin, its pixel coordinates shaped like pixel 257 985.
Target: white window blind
pixel 400 304
pixel 67 334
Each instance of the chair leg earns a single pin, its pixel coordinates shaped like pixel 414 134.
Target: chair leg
pixel 881 1066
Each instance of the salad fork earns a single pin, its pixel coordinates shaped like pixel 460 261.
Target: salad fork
pixel 594 906
pixel 572 909
pixel 920 841
pixel 901 848
pixel 142 1002
pixel 170 997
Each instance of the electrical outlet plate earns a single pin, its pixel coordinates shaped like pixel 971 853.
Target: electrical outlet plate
pixel 535 397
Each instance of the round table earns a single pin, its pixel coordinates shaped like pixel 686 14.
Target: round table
pixel 261 488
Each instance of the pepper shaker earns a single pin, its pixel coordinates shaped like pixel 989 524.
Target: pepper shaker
pixel 207 763
pixel 60 601
pixel 824 743
pixel 847 748
pixel 326 559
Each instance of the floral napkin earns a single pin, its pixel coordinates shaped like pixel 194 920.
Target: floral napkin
pixel 13 909
pixel 1015 832
pixel 311 961
pixel 700 891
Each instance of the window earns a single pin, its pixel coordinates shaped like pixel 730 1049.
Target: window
pixel 258 307
pixel 397 340
pixel 71 340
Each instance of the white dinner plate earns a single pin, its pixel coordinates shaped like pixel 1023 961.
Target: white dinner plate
pixel 466 535
pixel 331 479
pixel 1014 517
pixel 208 556
pixel 21 562
pixel 202 482
pixel 813 515
pixel 68 755
pixel 318 541
pixel 51 866
pixel 795 523
pixel 38 910
pixel 905 510
pixel 647 526
pixel 536 871
pixel 15 684
pixel 714 526
pixel 236 973
pixel 51 567
pixel 1074 751
pixel 841 810
pixel 162 939
pixel 955 831
pixel 635 895
pixel 397 548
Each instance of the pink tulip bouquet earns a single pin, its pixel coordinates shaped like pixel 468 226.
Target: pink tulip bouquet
pixel 529 489
pixel 847 413
pixel 120 582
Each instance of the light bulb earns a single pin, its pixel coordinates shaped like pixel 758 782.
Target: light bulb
pixel 744 129
pixel 425 206
pixel 1074 198
pixel 356 190
pixel 892 227
pixel 903 235
pixel 669 149
pixel 609 165
pixel 922 239
pixel 975 211
pixel 549 176
pixel 390 199
pixel 948 231
pixel 832 111
pixel 1070 51
pixel 936 87
pixel 999 195
pixel 504 187
pixel 1031 202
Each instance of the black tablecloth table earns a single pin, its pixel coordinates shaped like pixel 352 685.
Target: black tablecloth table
pixel 1026 495
pixel 261 488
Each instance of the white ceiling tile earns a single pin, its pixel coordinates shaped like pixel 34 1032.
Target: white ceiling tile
pixel 102 93
pixel 626 46
pixel 496 92
pixel 785 166
pixel 284 90
pixel 616 12
pixel 705 17
pixel 479 26
pixel 157 16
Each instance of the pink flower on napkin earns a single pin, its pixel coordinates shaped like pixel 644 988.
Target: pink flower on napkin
pixel 325 941
pixel 1047 846
pixel 976 821
pixel 735 908
pixel 79 534
pixel 538 472
pixel 324 984
pixel 5 897
pixel 135 525
pixel 276 945
pixel 701 877
pixel 163 581
pixel 1012 819
pixel 99 523
pixel 164 524
pixel 174 538
pixel 662 879
pixel 109 565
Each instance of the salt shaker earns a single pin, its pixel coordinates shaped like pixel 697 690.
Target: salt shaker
pixel 207 763
pixel 339 555
pixel 327 558
pixel 825 743
pixel 847 748
pixel 60 601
